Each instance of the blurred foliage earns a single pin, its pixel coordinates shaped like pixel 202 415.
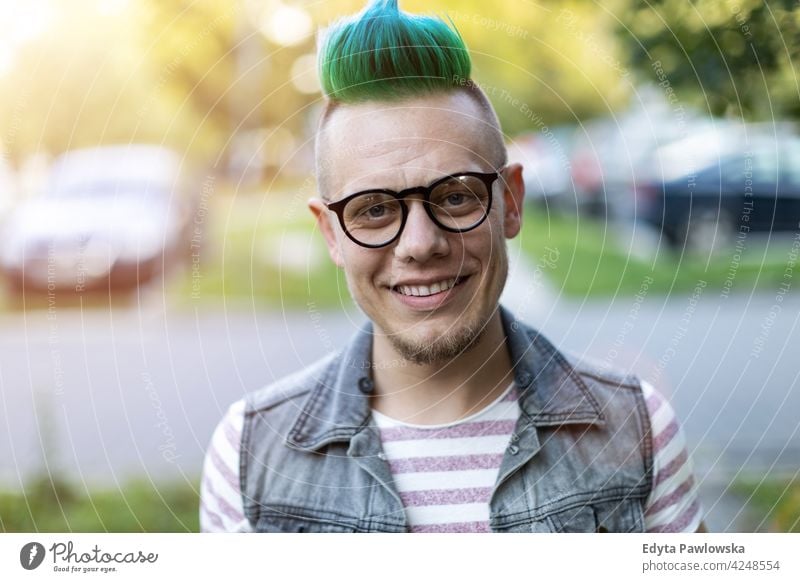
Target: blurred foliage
pixel 734 57
pixel 541 63
pixel 777 499
pixel 138 506
pixel 551 59
pixel 69 88
pixel 232 84
pixel 215 62
pixel 197 74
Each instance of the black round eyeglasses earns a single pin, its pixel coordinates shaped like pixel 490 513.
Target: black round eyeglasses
pixel 456 203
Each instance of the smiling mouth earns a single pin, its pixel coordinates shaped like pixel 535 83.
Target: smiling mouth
pixel 428 290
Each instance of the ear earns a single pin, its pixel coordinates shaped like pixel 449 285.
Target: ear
pixel 328 230
pixel 513 198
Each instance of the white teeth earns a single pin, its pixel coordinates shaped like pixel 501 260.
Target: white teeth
pixel 424 291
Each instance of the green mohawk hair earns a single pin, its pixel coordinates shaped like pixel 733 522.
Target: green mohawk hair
pixel 385 54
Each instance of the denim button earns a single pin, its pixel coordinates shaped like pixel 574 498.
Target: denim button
pixel 514 437
pixel 366 385
pixel 382 456
pixel 524 379
pixel 513 449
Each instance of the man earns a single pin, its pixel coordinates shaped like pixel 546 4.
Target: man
pixel 445 413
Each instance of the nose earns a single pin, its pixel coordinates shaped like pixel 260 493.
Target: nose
pixel 421 239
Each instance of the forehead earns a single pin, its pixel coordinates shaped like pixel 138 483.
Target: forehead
pixel 408 143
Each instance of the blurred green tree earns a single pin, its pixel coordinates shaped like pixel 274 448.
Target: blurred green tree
pixel 77 83
pixel 237 79
pixel 544 63
pixel 732 57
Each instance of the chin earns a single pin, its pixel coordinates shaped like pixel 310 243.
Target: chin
pixel 436 343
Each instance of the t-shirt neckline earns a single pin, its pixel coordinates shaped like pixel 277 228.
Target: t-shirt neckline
pixel 382 419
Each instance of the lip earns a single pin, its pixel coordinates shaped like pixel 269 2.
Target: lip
pixel 431 302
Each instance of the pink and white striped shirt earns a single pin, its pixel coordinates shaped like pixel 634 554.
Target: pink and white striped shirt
pixel 445 473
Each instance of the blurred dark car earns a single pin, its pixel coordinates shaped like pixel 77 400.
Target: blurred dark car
pixel 610 155
pixel 110 217
pixel 744 180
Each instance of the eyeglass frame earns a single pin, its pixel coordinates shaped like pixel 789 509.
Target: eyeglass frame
pixel 488 178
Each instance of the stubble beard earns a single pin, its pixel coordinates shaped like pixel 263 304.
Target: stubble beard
pixel 443 349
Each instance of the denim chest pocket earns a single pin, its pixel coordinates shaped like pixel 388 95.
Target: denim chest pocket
pixel 293 519
pixel 618 516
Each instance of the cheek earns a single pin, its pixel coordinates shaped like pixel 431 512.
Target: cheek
pixel 488 248
pixel 486 241
pixel 361 268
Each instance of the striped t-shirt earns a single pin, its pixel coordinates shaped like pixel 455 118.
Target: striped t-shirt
pixel 445 473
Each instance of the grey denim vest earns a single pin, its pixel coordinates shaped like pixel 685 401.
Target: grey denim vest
pixel 579 460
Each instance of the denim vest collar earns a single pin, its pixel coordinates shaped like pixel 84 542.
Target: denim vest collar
pixel 551 392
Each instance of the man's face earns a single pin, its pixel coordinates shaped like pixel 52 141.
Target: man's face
pixel 403 145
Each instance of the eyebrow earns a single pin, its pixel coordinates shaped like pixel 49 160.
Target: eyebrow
pixel 438 177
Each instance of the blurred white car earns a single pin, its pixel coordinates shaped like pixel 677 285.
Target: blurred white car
pixel 111 217
pixel 545 158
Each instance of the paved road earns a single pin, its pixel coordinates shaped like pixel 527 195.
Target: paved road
pixel 112 393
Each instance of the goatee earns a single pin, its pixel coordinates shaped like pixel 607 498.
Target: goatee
pixel 443 349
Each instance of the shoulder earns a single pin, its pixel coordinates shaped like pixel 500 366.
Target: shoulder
pixel 593 371
pixel 601 373
pixel 292 387
pixel 567 377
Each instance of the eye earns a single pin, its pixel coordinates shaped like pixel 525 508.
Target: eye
pixel 371 210
pixel 376 211
pixel 456 198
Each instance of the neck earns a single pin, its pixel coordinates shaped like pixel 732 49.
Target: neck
pixel 441 392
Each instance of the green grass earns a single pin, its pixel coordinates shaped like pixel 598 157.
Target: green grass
pixel 778 500
pixel 137 507
pixel 263 252
pixel 592 261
